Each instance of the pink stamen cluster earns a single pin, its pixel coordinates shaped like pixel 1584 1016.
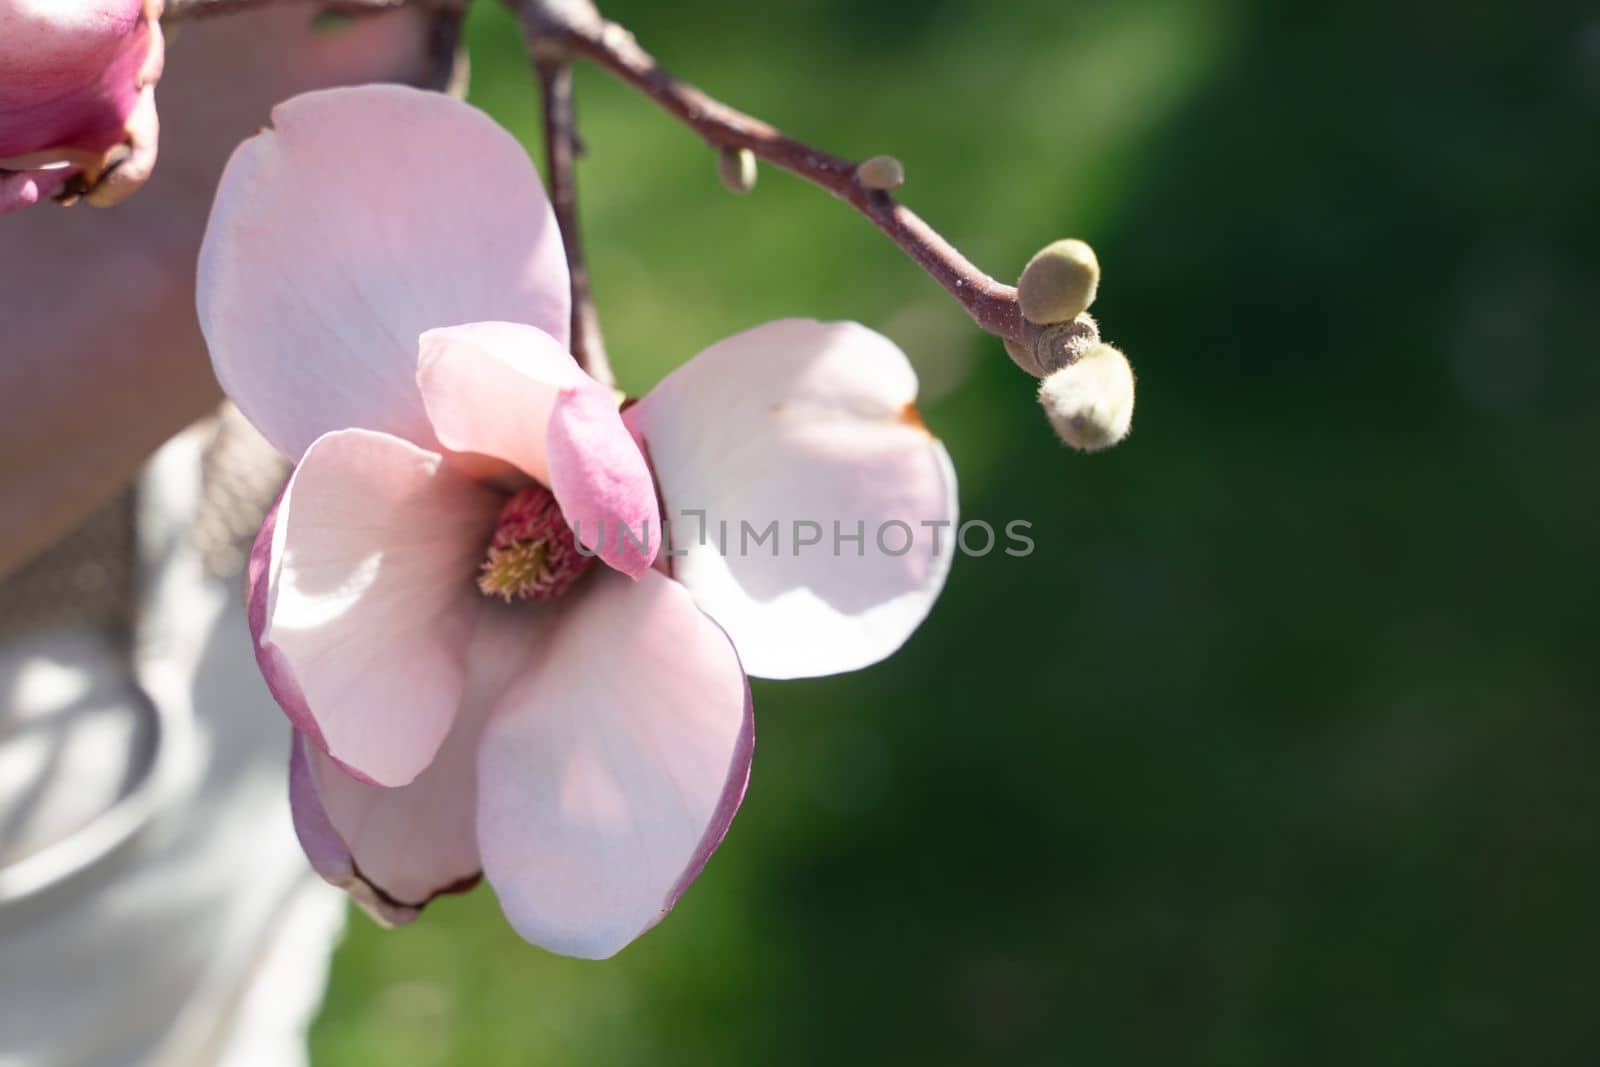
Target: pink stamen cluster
pixel 532 555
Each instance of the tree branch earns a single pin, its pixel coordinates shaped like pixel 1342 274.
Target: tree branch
pixel 574 27
pixel 561 151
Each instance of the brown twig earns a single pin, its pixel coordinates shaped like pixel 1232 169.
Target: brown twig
pixel 561 151
pixel 574 27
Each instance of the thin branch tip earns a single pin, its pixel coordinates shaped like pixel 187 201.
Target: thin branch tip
pixel 576 28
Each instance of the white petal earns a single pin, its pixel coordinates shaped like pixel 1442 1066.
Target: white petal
pixel 490 387
pixel 393 850
pixel 613 766
pixel 362 218
pixel 363 602
pixel 810 427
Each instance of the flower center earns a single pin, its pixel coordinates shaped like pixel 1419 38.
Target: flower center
pixel 532 555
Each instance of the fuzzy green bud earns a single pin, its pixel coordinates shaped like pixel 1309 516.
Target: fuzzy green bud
pixel 881 173
pixel 1090 403
pixel 737 169
pixel 1058 283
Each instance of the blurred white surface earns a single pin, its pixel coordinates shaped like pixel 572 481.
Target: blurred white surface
pixel 155 907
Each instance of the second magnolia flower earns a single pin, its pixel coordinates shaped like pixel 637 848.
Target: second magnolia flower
pixel 77 98
pixel 384 294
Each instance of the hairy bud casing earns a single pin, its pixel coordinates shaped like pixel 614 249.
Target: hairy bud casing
pixel 1090 403
pixel 1046 349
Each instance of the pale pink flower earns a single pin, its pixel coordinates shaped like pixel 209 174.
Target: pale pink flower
pixel 77 97
pixel 384 293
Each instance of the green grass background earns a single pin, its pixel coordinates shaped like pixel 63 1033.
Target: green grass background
pixel 1280 749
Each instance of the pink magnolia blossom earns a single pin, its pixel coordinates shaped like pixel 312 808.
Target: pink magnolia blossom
pixel 77 97
pixel 384 293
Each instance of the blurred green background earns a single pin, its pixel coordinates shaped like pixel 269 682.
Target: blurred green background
pixel 1279 749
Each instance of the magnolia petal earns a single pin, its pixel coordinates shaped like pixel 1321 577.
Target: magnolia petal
pixel 274 667
pixel 613 765
pixel 72 72
pixel 363 218
pixel 362 602
pixel 329 855
pixel 489 389
pixel 124 171
pixel 25 188
pixel 513 393
pixel 601 480
pixel 394 850
pixel 803 424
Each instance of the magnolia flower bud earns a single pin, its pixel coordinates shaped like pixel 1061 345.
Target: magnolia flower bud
pixel 77 98
pixel 1047 349
pixel 1090 403
pixel 737 169
pixel 881 173
pixel 1059 282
